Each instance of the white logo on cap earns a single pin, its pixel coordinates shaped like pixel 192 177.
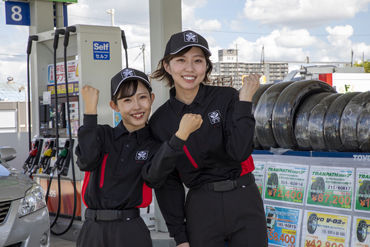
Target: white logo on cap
pixel 191 37
pixel 214 117
pixel 127 73
pixel 141 155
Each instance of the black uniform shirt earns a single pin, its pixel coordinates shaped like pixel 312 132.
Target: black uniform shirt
pixel 112 159
pixel 214 152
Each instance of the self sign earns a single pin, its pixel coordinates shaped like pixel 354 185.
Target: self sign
pixel 101 50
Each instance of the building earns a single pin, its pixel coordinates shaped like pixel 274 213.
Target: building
pixel 228 70
pixel 13 108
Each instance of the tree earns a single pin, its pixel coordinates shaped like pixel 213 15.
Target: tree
pixel 366 66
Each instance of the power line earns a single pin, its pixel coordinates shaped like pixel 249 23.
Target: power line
pixel 264 33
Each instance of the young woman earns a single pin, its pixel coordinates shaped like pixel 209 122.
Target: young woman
pixel 112 158
pixel 223 203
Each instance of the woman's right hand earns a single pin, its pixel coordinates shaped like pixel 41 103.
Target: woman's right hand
pixel 188 124
pixel 90 96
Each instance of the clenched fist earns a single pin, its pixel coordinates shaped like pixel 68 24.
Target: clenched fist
pixel 250 85
pixel 188 124
pixel 90 96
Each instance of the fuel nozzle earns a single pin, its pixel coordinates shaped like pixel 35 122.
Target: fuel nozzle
pixel 33 157
pixel 64 157
pixel 49 152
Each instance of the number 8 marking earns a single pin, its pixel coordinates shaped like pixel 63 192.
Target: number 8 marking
pixel 16 13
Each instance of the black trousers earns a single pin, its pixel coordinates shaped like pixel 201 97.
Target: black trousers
pixel 118 233
pixel 236 216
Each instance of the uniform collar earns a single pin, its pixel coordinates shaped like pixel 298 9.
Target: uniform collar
pixel 178 105
pixel 140 135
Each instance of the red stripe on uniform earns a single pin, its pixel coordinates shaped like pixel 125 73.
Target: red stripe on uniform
pixel 192 161
pixel 84 186
pixel 247 166
pixel 102 172
pixel 147 196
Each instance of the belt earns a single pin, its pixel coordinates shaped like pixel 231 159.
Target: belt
pixel 227 185
pixel 111 215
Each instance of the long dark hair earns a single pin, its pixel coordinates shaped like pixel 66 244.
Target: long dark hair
pixel 161 74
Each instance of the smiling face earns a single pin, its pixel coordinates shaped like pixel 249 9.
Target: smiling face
pixel 135 109
pixel 188 70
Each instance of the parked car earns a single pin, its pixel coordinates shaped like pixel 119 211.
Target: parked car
pixel 24 217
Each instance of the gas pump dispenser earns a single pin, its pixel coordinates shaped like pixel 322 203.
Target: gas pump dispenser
pixel 93 56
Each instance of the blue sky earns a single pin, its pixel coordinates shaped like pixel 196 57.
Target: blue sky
pixel 289 30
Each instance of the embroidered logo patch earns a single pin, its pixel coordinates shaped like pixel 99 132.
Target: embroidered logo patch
pixel 127 73
pixel 214 117
pixel 190 37
pixel 142 155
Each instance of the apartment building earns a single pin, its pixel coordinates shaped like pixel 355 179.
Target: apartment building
pixel 228 70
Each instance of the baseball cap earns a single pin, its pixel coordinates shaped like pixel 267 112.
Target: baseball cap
pixel 182 40
pixel 127 74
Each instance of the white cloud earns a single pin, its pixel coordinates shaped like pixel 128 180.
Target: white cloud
pixel 208 25
pixel 190 21
pixel 279 45
pixel 295 44
pixel 301 12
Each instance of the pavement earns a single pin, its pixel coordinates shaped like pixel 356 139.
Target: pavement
pixel 160 239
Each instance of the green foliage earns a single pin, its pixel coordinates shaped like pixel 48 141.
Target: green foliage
pixel 366 66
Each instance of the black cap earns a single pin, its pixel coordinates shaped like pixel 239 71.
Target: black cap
pixel 188 38
pixel 127 74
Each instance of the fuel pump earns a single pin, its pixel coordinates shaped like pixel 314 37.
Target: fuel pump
pixel 93 56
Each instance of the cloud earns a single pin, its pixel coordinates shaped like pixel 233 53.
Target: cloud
pixel 279 45
pixel 190 21
pixel 208 25
pixel 296 44
pixel 301 12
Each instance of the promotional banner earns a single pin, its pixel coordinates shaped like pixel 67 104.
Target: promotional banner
pixel 259 174
pixel 285 182
pixel 72 72
pixel 362 202
pixel 325 230
pixel 283 225
pixel 330 187
pixel 360 232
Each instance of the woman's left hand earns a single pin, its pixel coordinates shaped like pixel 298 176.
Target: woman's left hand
pixel 250 85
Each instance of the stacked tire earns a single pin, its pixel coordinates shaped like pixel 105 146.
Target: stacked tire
pixel 310 115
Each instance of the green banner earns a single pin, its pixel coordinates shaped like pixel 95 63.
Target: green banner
pixel 330 187
pixel 285 183
pixel 363 190
pixel 259 173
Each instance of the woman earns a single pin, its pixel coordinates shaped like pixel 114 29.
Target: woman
pixel 112 158
pixel 223 203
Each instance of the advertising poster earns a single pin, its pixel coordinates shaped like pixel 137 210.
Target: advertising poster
pixel 330 187
pixel 325 230
pixel 360 232
pixel 285 182
pixel 283 225
pixel 259 174
pixel 72 72
pixel 362 202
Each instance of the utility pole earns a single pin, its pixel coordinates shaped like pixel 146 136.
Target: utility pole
pixel 237 66
pixel 111 13
pixel 143 51
pixel 262 61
